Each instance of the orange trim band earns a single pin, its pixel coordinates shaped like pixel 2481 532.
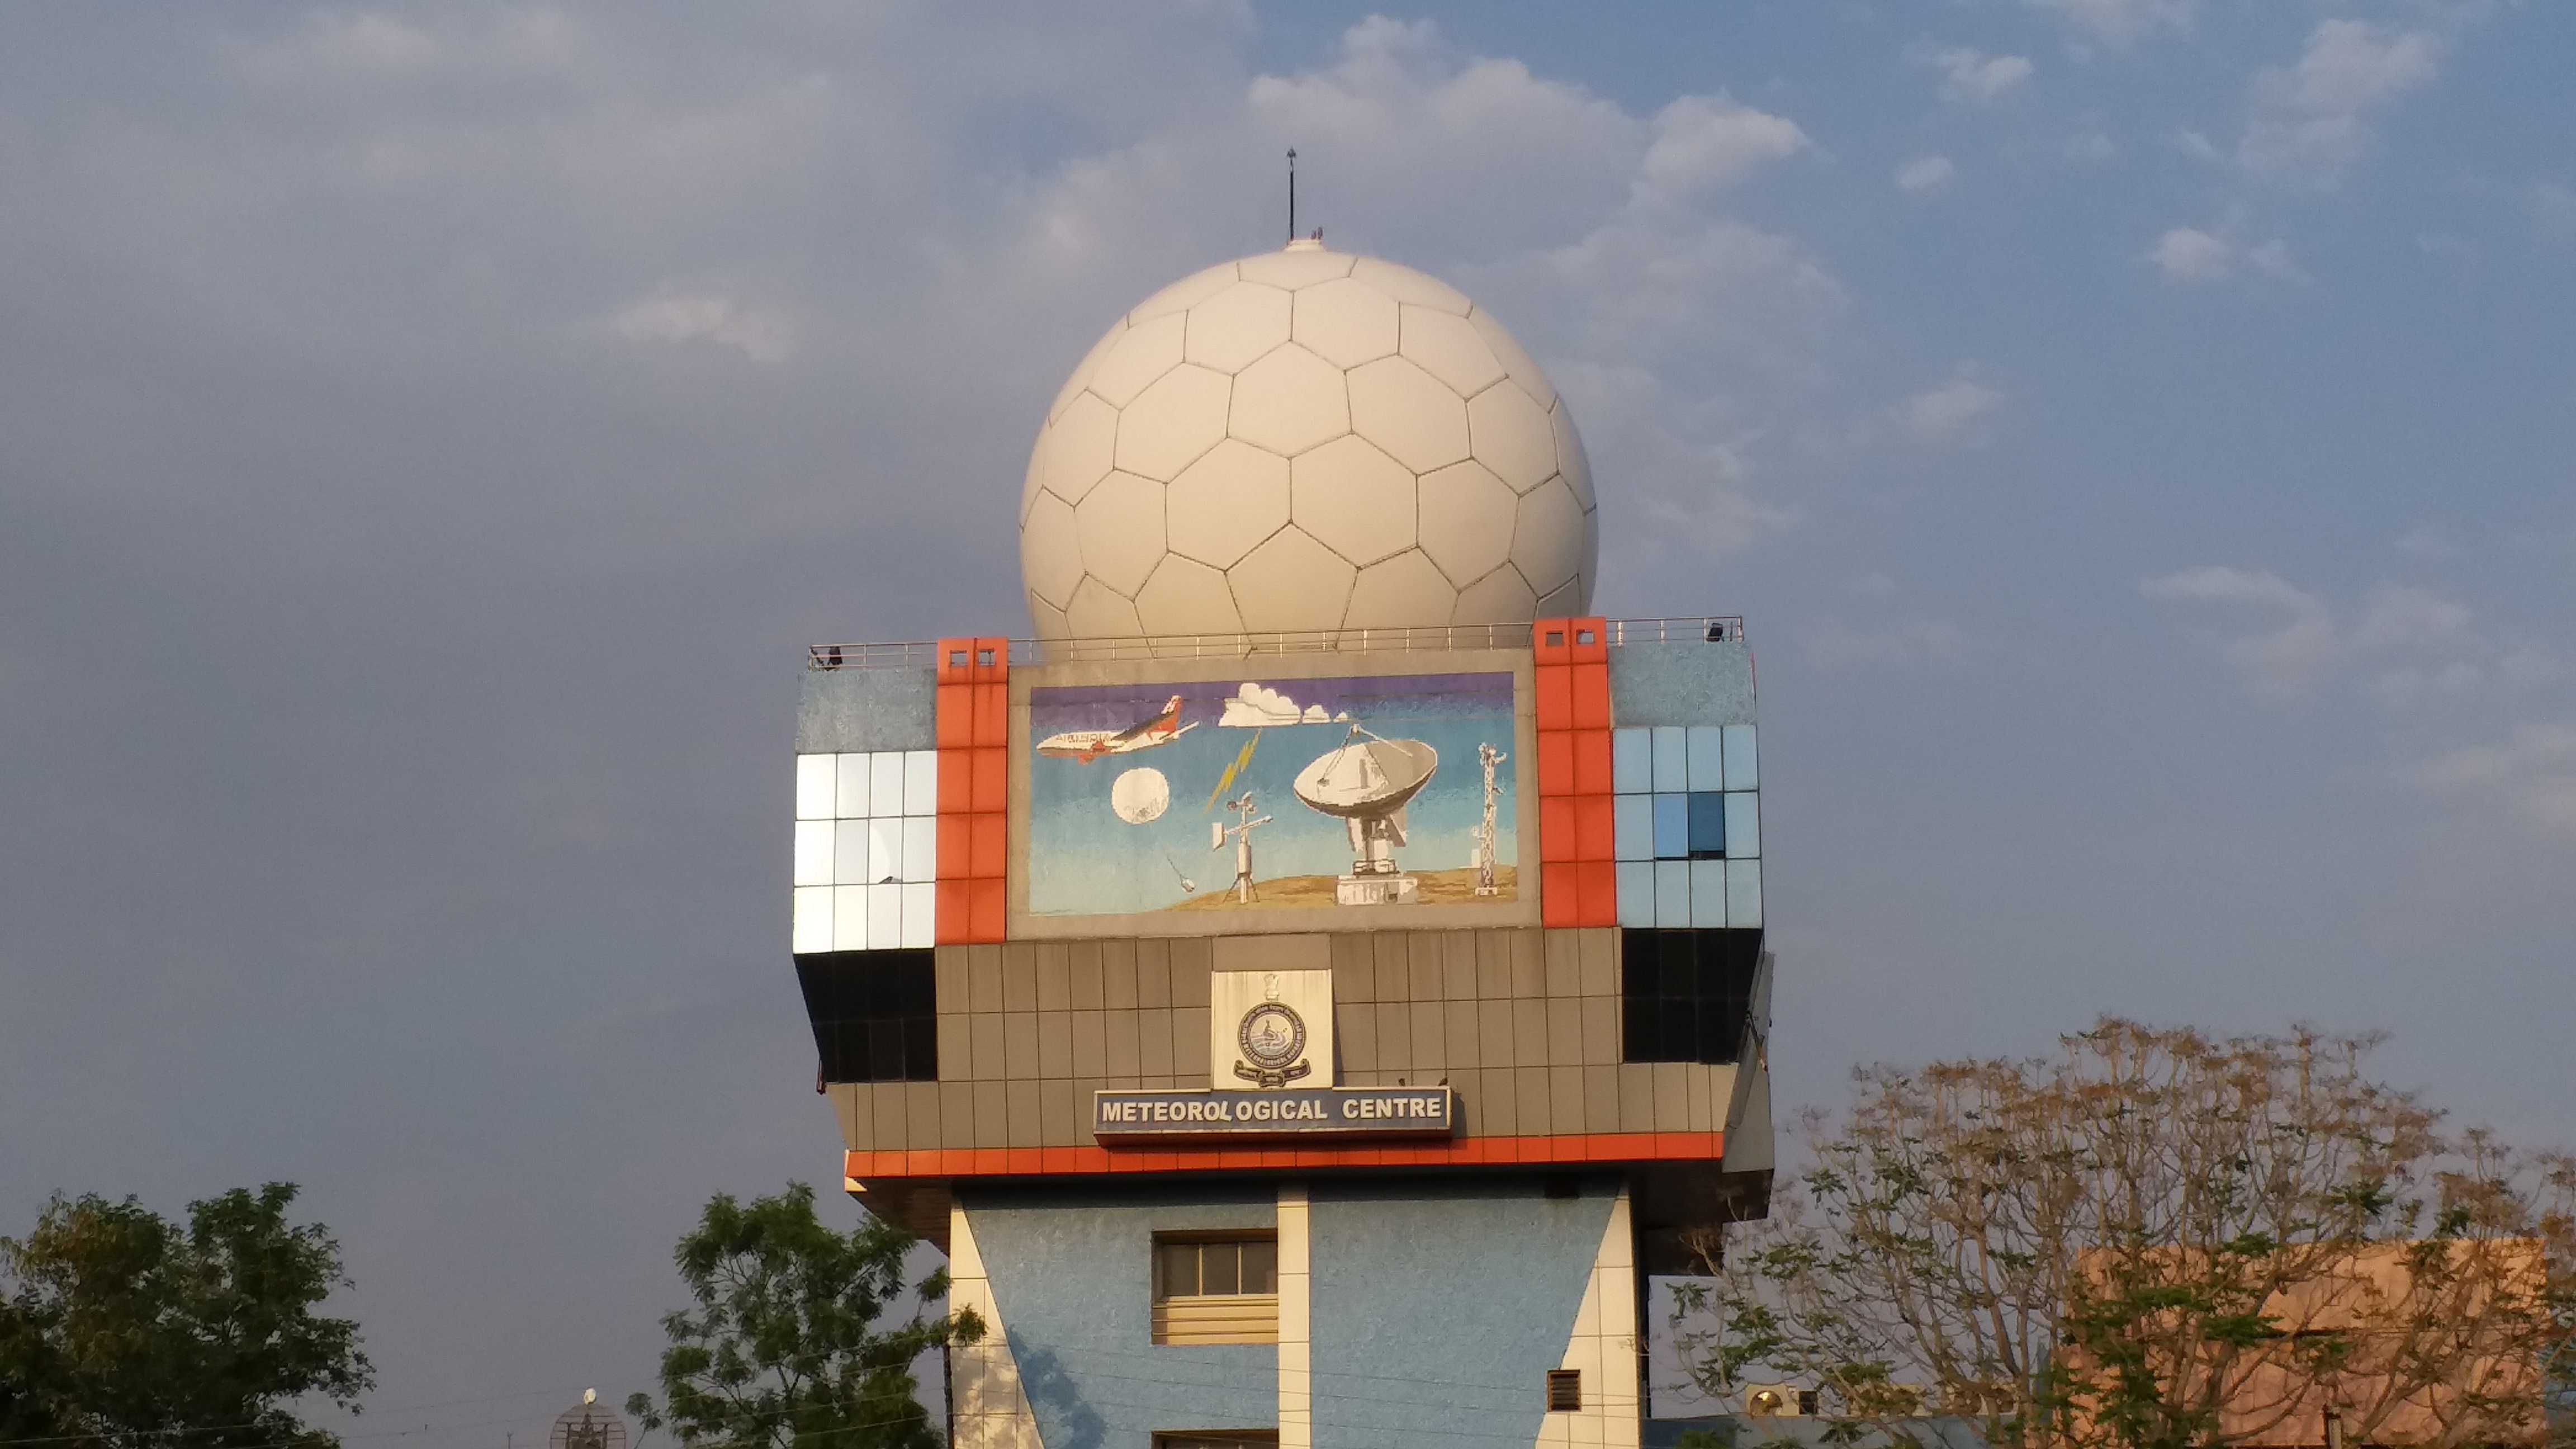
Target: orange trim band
pixel 1456 1152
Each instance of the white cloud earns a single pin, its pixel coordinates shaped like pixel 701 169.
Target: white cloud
pixel 1832 644
pixel 2530 775
pixel 1256 705
pixel 1702 143
pixel 2309 118
pixel 2187 254
pixel 2553 209
pixel 2405 645
pixel 1925 175
pixel 1972 77
pixel 2117 22
pixel 1948 413
pixel 683 317
pixel 2091 147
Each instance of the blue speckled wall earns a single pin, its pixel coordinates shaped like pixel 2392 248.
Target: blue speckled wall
pixel 841 710
pixel 1686 683
pixel 1071 1276
pixel 1440 1307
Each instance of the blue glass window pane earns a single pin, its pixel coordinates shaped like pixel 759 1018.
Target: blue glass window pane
pixel 1672 758
pixel 1707 825
pixel 1672 893
pixel 1704 747
pixel 1632 760
pixel 1633 827
pixel 1672 827
pixel 1636 893
pixel 1744 824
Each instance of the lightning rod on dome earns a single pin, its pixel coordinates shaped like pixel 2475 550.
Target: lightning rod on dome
pixel 1292 193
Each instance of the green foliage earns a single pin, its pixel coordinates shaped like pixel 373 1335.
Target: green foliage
pixel 782 1347
pixel 2153 1240
pixel 120 1328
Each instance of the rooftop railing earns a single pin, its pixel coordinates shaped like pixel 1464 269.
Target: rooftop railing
pixel 924 653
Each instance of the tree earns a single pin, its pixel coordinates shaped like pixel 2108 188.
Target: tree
pixel 118 1328
pixel 782 1347
pixel 2154 1240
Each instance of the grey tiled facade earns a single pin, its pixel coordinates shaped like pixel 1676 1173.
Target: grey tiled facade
pixel 1523 1024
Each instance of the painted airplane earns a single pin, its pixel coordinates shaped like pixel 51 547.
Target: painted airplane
pixel 1090 745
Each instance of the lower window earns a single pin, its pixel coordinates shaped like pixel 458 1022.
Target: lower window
pixel 1216 1288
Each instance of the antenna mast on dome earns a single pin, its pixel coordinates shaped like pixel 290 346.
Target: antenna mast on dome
pixel 1292 193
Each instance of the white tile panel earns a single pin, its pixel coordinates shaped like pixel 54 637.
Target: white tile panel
pixel 1707 753
pixel 1743 824
pixel 1672 758
pixel 920 914
pixel 814 787
pixel 852 773
pixel 885 782
pixel 1708 892
pixel 1632 760
pixel 920 848
pixel 811 930
pixel 813 853
pixel 885 916
pixel 1672 893
pixel 1636 892
pixel 885 850
pixel 849 852
pixel 920 784
pixel 849 918
pixel 1744 893
pixel 1742 772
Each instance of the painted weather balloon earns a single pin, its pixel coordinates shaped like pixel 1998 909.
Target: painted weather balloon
pixel 1141 796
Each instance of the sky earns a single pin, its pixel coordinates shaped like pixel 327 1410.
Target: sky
pixel 2136 433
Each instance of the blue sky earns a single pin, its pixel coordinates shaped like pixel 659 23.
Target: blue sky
pixel 2135 431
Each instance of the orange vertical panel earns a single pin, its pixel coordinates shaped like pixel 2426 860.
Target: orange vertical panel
pixel 1595 833
pixel 1550 641
pixel 1555 692
pixel 956 661
pixel 954 862
pixel 987 911
pixel 954 924
pixel 992 787
pixel 1591 762
pixel 998 651
pixel 988 842
pixel 956 716
pixel 1596 892
pixel 993 715
pixel 1556 762
pixel 1591 696
pixel 1587 640
pixel 1557 828
pixel 956 782
pixel 1560 896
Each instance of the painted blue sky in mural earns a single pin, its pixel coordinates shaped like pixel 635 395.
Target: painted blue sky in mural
pixel 1099 847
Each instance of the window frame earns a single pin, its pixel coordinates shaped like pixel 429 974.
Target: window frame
pixel 1212 1318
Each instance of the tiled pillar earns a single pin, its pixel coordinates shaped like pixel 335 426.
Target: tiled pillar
pixel 1296 1332
pixel 992 1409
pixel 1603 1348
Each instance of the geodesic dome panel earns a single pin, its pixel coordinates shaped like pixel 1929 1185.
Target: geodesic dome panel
pixel 1305 440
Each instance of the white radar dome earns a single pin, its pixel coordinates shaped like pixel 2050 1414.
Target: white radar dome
pixel 1301 440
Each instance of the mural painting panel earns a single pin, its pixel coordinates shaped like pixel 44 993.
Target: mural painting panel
pixel 1272 795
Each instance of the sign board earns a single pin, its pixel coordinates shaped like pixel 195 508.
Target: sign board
pixel 1287 1112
